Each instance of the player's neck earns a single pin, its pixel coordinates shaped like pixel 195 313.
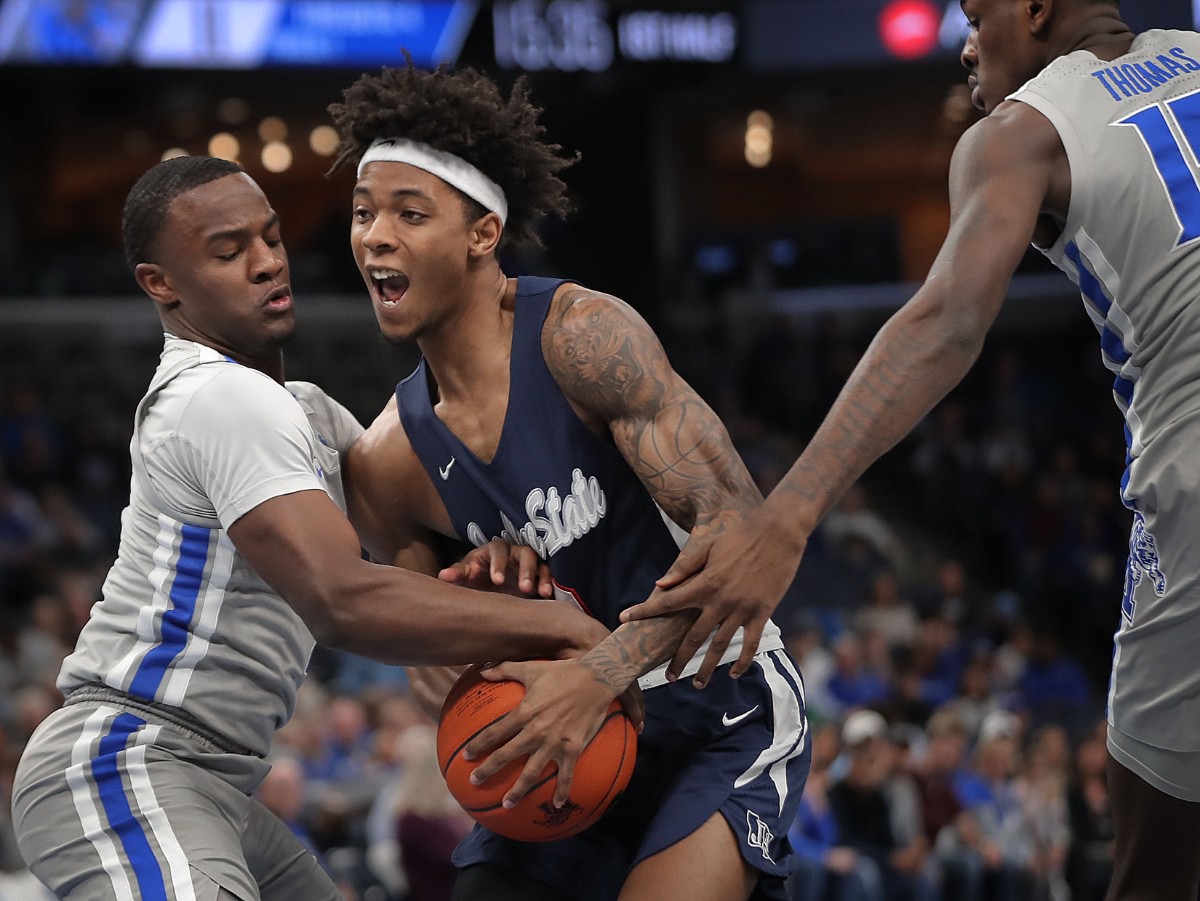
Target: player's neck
pixel 1102 34
pixel 469 353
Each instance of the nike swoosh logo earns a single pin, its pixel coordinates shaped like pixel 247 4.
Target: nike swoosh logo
pixel 728 720
pixel 444 471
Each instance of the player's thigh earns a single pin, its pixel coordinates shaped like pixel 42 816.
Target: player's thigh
pixel 103 809
pixel 705 866
pixel 283 868
pixel 489 882
pixel 1157 854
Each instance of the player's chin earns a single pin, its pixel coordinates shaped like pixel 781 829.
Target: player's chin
pixel 396 330
pixel 281 329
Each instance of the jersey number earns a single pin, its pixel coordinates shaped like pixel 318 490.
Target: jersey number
pixel 1175 157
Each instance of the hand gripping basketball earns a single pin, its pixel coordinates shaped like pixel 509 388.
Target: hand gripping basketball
pixel 601 772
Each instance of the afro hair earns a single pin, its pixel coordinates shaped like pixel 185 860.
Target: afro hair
pixel 462 112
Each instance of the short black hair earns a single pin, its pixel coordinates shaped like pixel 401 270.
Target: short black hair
pixel 462 112
pixel 146 206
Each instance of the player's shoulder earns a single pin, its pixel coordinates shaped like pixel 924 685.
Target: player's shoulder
pixel 233 386
pixel 580 313
pixel 384 443
pixel 574 298
pixel 1014 133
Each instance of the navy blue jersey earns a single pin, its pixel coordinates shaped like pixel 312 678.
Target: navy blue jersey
pixel 553 484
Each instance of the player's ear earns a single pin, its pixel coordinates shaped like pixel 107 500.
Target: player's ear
pixel 1038 13
pixel 485 234
pixel 154 280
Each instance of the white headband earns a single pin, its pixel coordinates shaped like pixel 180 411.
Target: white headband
pixel 451 169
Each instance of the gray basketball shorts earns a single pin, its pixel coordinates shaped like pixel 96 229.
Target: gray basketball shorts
pixel 109 805
pixel 1154 692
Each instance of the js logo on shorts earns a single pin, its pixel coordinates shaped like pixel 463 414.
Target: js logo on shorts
pixel 758 834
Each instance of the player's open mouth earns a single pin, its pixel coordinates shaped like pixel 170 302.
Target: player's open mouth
pixel 390 285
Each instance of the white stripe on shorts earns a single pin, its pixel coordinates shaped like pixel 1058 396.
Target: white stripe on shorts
pixel 160 825
pixel 789 727
pixel 86 804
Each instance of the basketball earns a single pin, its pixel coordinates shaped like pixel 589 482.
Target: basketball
pixel 601 772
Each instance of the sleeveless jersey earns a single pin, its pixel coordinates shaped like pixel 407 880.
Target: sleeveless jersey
pixel 552 484
pixel 1131 242
pixel 1131 130
pixel 184 621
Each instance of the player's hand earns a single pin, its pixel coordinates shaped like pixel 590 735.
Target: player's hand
pixel 734 573
pixel 563 709
pixel 499 566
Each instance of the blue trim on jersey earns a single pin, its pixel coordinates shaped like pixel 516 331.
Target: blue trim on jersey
pixel 1113 347
pixel 107 776
pixel 185 591
pixel 1089 285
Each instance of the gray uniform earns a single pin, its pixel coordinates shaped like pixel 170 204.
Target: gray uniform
pixel 1131 130
pixel 139 787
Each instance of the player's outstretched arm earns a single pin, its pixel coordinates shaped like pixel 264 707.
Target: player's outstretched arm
pixel 1000 178
pixel 305 548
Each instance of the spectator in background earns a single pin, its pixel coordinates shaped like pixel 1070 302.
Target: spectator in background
pixel 30 436
pixel 976 697
pixel 25 534
pixel 864 817
pixel 804 641
pixel 948 826
pixel 1054 687
pixel 1005 835
pixel 856 681
pixel 827 869
pixel 939 657
pixel 1041 786
pixel 853 519
pixel 429 823
pixel 1090 856
pixel 888 612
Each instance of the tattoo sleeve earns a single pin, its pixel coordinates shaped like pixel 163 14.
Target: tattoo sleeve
pixel 636 648
pixel 608 361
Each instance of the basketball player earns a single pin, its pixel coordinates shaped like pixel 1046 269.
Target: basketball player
pixel 546 413
pixel 234 553
pixel 1089 150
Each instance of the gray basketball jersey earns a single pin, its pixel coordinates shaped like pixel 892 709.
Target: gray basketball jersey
pixel 1131 129
pixel 1131 242
pixel 184 621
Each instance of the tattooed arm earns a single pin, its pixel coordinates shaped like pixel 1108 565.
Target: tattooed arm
pixel 1005 171
pixel 612 368
pixel 614 372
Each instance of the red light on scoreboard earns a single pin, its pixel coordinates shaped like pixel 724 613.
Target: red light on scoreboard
pixel 909 28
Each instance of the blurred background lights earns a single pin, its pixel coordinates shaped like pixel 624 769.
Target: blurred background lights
pixel 233 111
pixel 759 141
pixel 271 129
pixel 224 145
pixel 323 140
pixel 276 157
pixel 909 28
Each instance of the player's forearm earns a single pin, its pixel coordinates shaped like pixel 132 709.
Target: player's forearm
pixel 914 361
pixel 401 617
pixel 636 648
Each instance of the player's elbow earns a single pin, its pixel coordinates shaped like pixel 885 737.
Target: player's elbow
pixel 327 607
pixel 951 329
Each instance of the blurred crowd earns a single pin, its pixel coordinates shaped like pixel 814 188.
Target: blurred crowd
pixel 952 619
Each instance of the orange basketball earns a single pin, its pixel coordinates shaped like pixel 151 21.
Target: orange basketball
pixel 601 773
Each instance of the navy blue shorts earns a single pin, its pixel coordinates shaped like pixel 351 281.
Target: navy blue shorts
pixel 739 746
